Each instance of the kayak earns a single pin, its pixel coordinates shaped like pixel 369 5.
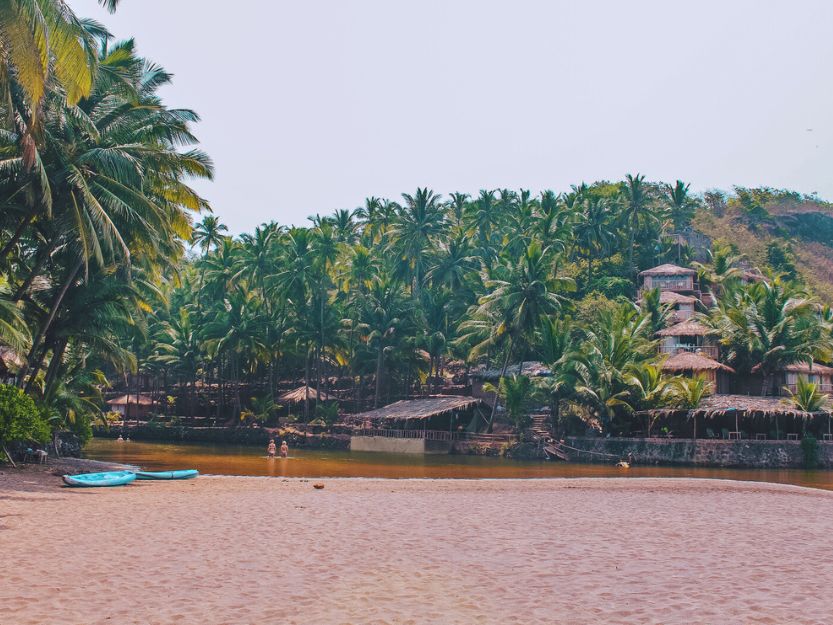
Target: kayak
pixel 108 478
pixel 182 474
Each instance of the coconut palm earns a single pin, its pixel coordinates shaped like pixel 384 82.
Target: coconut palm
pixel 808 397
pixel 418 220
pixel 208 234
pixel 680 203
pixel 637 211
pixel 520 294
pixel 517 393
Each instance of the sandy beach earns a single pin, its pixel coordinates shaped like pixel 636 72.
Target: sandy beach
pixel 267 550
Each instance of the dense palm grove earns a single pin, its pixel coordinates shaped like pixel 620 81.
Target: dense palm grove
pixel 102 274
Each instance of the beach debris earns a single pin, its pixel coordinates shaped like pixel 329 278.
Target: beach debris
pixel 318 486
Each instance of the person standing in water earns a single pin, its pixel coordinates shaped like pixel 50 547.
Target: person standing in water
pixel 270 449
pixel 284 449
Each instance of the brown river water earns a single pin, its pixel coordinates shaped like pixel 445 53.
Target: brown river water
pixel 245 460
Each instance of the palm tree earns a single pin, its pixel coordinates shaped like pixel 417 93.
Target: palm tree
pixel 593 231
pixel 637 211
pixel 807 396
pixel 722 273
pixel 384 315
pixel 520 295
pixel 116 176
pixel 208 234
pixel 43 41
pixel 767 326
pixel 680 203
pixel 649 388
pixel 411 237
pixel 13 330
pixel 612 348
pixel 517 394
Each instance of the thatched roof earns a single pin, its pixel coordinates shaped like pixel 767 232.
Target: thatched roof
pixel 802 367
pixel 668 270
pixel 132 399
pixel 685 328
pixel 299 394
pixel 740 405
pixel 691 361
pixel 532 369
pixel 422 408
pixel 9 358
pixel 672 297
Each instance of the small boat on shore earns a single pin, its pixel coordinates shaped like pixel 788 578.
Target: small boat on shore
pixel 182 474
pixel 107 478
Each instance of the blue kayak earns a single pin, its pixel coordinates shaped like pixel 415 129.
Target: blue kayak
pixel 108 478
pixel 182 474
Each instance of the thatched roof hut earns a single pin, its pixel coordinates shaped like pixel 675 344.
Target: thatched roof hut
pixel 300 394
pixel 531 369
pixel 693 362
pixel 674 298
pixel 423 408
pixel 132 399
pixel 685 328
pixel 668 269
pixel 802 368
pixel 737 406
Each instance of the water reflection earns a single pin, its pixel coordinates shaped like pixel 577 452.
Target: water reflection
pixel 242 460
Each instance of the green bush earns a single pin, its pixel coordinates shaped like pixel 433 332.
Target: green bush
pixel 810 448
pixel 20 419
pixel 82 428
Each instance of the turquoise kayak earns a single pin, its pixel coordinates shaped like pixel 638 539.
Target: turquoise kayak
pixel 108 478
pixel 182 474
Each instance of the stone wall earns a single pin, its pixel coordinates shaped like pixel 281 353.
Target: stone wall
pixel 702 452
pixel 390 445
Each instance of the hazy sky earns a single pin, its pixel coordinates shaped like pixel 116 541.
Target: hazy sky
pixel 310 106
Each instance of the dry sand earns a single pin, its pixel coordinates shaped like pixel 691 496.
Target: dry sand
pixel 267 550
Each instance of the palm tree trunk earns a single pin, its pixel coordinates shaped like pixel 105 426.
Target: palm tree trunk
pixel 53 311
pixel 54 365
pixel 502 374
pixel 380 355
pixel 306 384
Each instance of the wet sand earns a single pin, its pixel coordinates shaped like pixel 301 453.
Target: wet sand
pixel 267 550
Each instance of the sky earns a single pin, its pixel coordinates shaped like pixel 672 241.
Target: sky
pixel 311 106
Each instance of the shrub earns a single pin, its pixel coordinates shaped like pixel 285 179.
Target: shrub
pixel 810 449
pixel 20 419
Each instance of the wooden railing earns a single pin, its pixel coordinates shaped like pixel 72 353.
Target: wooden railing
pixel 708 350
pixel 433 435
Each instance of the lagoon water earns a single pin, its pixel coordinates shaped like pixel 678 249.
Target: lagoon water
pixel 247 460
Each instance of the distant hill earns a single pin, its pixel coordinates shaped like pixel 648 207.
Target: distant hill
pixel 784 230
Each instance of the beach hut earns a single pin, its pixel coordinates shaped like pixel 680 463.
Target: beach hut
pixel 427 425
pixel 433 413
pixel 691 364
pixel 728 413
pixel 670 277
pixel 132 406
pixel 300 394
pixel 688 336
pixel 785 380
